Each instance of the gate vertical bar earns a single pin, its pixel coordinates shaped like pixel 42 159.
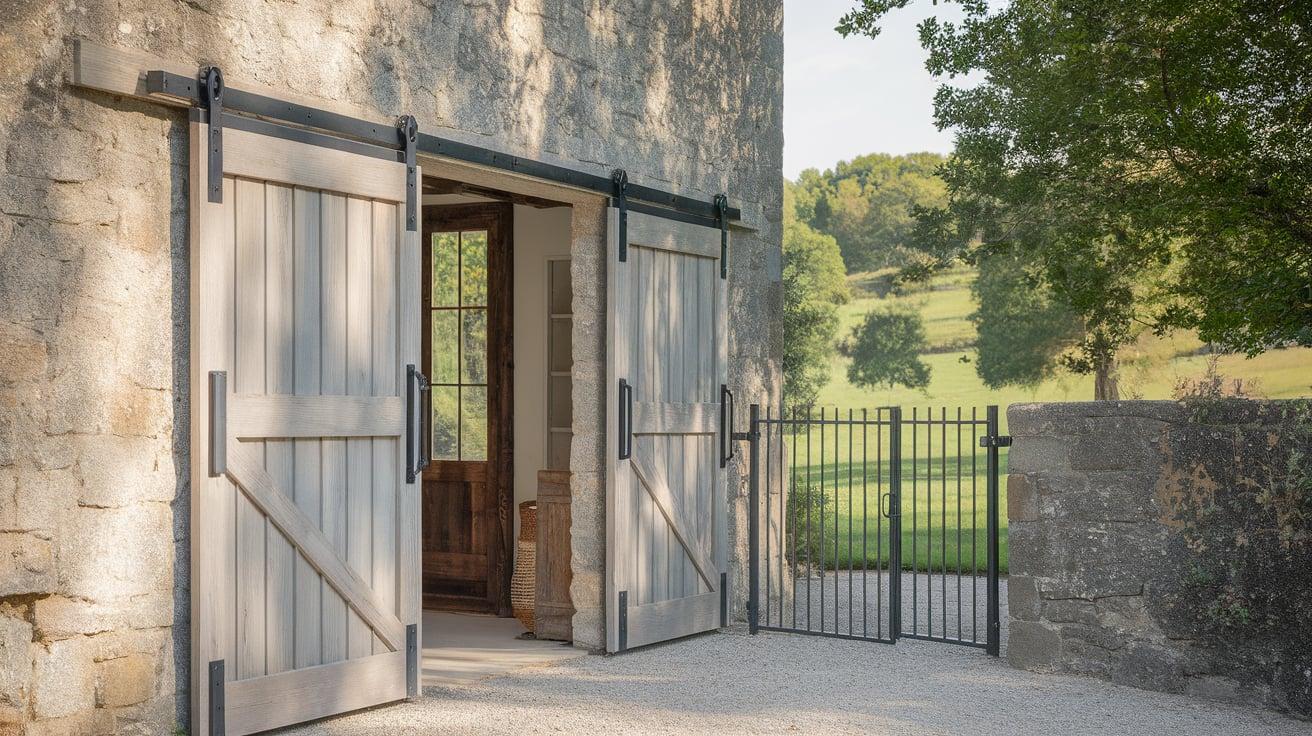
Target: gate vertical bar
pixel 895 524
pixel 994 633
pixel 753 519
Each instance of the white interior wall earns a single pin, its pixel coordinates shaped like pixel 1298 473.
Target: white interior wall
pixel 539 234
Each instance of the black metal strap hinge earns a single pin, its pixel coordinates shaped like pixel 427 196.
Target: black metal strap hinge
pixel 721 203
pixel 623 615
pixel 724 599
pixel 407 129
pixel 211 84
pixel 412 661
pixel 1001 440
pixel 620 177
pixel 218 725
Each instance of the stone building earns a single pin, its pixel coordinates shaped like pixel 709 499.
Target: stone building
pixel 206 417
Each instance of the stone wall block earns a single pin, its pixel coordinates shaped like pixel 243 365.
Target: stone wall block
pixel 1039 454
pixel 125 681
pixel 1113 448
pixel 15 660
pixel 1022 598
pixel 1022 498
pixel 27 564
pixel 64 679
pixel 1032 645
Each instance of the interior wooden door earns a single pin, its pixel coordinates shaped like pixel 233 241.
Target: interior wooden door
pixel 666 507
pixel 304 532
pixel 467 491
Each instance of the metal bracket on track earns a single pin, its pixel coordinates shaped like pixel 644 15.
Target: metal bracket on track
pixel 407 129
pixel 620 177
pixel 211 83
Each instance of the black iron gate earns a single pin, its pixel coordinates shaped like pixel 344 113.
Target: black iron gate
pixel 878 525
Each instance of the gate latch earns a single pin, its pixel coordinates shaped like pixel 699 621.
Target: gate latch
pixel 1001 440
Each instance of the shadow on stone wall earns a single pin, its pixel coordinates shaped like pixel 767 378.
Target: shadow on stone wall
pixel 1166 546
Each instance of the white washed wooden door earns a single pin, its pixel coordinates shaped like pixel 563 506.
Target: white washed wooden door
pixel 304 532
pixel 666 506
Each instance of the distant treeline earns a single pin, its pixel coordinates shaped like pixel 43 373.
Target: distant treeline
pixel 866 204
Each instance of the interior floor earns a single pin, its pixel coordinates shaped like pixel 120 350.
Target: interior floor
pixel 465 647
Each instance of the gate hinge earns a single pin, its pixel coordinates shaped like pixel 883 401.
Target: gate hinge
pixel 721 203
pixel 407 129
pixel 1001 440
pixel 620 178
pixel 211 84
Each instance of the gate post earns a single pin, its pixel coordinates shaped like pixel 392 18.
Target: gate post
pixel 994 644
pixel 753 519
pixel 895 524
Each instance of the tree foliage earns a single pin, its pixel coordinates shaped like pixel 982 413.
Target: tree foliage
pixel 814 285
pixel 885 350
pixel 1151 160
pixel 1021 329
pixel 866 204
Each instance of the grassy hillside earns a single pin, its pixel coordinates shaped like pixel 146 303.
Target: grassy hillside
pixel 1151 368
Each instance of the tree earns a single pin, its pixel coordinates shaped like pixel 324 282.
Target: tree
pixel 1148 159
pixel 814 285
pixel 885 350
pixel 1021 329
pixel 866 204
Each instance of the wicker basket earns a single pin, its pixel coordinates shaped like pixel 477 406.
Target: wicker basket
pixel 523 583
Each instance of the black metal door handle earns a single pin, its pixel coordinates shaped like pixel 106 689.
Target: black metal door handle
pixel 727 411
pixel 626 420
pixel 418 424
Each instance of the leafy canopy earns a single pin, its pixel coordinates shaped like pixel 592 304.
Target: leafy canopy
pixel 1150 160
pixel 885 350
pixel 866 204
pixel 814 285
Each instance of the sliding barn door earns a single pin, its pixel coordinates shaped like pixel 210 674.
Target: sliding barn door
pixel 304 531
pixel 666 507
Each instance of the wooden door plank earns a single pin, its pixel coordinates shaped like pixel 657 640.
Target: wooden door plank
pixel 288 698
pixel 659 379
pixel 333 350
pixel 279 377
pixel 671 619
pixel 245 468
pixel 618 527
pixel 213 509
pixel 249 377
pixel 255 416
pixel 673 236
pixel 384 339
pixel 307 454
pixel 276 160
pixel 409 505
pixel 672 508
pixel 675 417
pixel 359 382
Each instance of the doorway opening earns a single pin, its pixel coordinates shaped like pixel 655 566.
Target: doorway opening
pixel 496 331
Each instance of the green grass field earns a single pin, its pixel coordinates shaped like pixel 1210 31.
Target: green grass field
pixel 1151 368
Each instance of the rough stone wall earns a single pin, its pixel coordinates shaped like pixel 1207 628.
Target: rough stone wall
pixel 93 269
pixel 1165 546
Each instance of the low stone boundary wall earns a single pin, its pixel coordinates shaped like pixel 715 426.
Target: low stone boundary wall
pixel 1165 545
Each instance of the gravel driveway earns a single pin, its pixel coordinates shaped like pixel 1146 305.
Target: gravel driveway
pixel 733 683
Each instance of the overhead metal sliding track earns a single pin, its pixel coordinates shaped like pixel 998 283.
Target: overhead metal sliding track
pixel 246 110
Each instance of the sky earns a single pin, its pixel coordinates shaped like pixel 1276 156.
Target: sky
pixel 844 97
